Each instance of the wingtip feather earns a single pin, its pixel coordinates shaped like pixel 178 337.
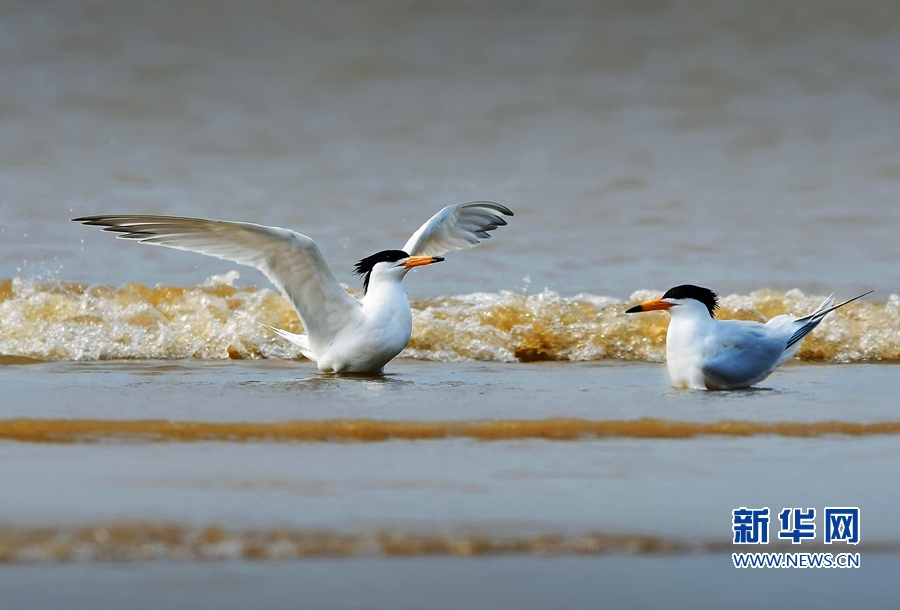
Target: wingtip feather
pixel 489 204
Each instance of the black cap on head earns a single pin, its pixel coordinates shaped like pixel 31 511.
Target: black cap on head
pixel 365 266
pixel 689 291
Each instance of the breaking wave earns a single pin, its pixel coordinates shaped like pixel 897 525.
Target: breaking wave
pixel 216 320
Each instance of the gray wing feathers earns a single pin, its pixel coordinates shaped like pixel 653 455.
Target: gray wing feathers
pixel 457 227
pixel 744 358
pixel 293 262
pixel 752 351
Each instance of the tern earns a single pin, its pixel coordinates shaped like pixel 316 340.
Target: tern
pixel 703 353
pixel 343 334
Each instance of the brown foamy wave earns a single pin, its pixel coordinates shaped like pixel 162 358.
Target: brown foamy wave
pixel 216 320
pixel 141 541
pixel 366 430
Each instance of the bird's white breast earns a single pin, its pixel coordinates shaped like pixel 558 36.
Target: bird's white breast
pixel 685 347
pixel 383 332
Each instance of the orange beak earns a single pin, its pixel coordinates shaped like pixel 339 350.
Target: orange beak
pixel 655 304
pixel 418 261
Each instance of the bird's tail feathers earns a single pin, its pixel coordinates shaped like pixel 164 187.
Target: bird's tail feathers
pixel 813 319
pixel 301 341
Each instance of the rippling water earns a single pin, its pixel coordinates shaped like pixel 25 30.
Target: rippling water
pixel 747 147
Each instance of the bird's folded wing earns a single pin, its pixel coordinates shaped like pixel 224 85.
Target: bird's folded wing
pixel 293 262
pixel 741 355
pixel 456 227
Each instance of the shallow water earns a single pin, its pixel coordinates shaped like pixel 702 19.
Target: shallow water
pixel 748 147
pixel 273 391
pixel 636 477
pixel 496 582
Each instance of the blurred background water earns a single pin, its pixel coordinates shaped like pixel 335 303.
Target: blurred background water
pixel 642 144
pixel 748 147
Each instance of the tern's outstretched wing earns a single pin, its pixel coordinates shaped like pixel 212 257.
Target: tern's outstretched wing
pixel 293 262
pixel 741 354
pixel 456 227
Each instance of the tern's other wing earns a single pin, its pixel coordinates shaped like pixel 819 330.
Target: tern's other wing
pixel 742 354
pixel 293 262
pixel 456 227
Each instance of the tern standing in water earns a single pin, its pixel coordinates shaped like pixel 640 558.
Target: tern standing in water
pixel 703 353
pixel 343 334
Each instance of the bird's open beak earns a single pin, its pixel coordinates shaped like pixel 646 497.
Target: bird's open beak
pixel 653 305
pixel 418 261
